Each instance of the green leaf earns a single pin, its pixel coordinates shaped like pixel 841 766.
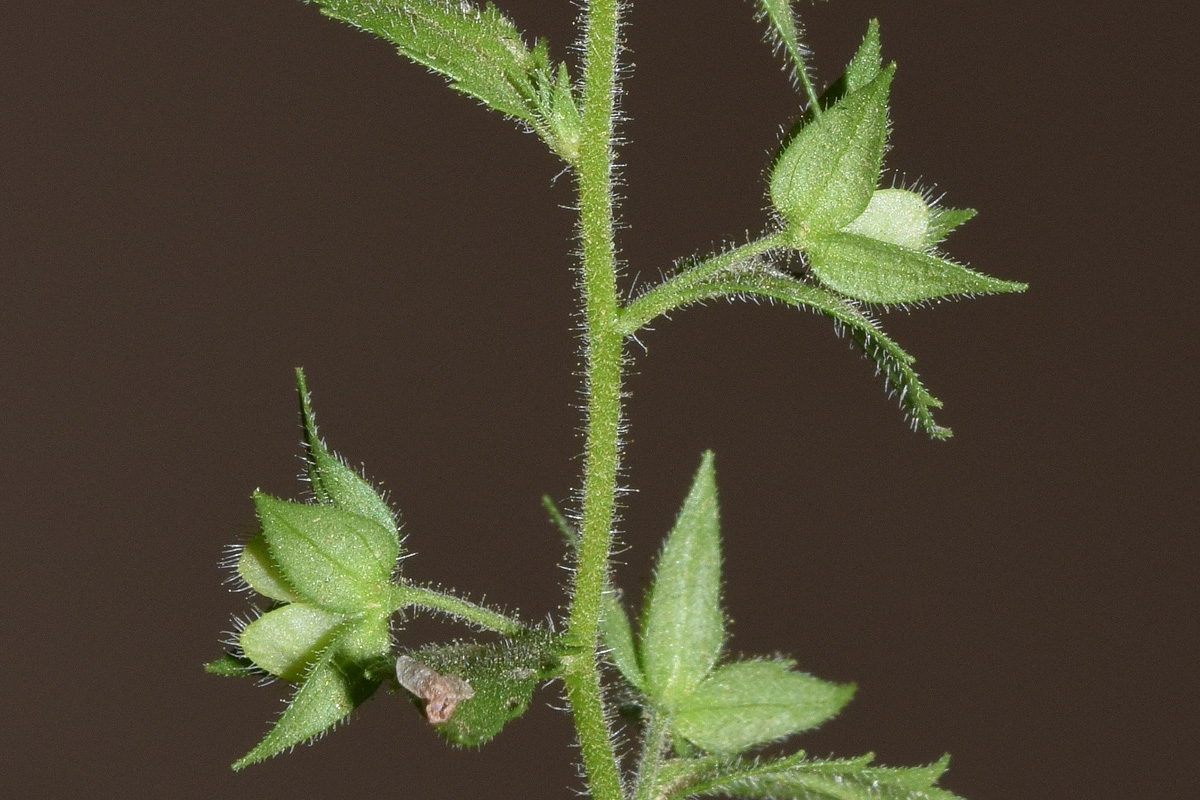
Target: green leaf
pixel 748 703
pixel 479 50
pixel 825 175
pixel 880 272
pixel 617 633
pixel 338 560
pixel 232 666
pixel 900 379
pixel 285 641
pixel 944 220
pixel 795 778
pixel 260 572
pixel 333 483
pixel 501 676
pixel 344 676
pixel 897 216
pixel 569 535
pixel 683 630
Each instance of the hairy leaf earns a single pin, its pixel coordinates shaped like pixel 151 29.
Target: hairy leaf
pixel 569 535
pixel 482 54
pixel 881 272
pixel 749 703
pixel 261 573
pixel 338 560
pixel 285 641
pixel 797 778
pixel 338 682
pixel 683 631
pixel 502 676
pixel 479 50
pixel 898 216
pixel 826 173
pixel 617 633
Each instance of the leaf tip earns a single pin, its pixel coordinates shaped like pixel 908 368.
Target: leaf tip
pixel 939 432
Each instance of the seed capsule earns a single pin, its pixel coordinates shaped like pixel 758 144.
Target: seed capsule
pixel 441 693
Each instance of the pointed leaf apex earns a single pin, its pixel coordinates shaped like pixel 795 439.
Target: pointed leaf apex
pixel 683 630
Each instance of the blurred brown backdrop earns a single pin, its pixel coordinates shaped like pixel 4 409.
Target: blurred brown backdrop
pixel 197 197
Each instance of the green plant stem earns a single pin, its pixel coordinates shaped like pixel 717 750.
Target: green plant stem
pixel 654 743
pixel 409 595
pixel 814 100
pixel 683 287
pixel 603 355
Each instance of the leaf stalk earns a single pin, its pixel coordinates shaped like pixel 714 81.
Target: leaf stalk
pixel 434 600
pixel 681 288
pixel 653 746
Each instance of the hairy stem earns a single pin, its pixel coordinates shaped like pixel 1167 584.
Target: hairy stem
pixel 603 345
pixel 433 600
pixel 672 293
pixel 810 91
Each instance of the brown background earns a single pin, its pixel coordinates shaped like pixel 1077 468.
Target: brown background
pixel 198 197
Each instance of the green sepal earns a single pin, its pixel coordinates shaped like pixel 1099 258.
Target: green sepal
pixel 898 216
pixel 334 483
pixel 346 674
pixel 827 171
pixel 880 272
pixel 943 221
pixel 749 703
pixel 683 629
pixel 617 633
pixel 286 640
pixel 503 676
pixel 261 574
pixel 867 62
pixel 337 560
pixel 863 68
pixel 798 778
pixel 232 666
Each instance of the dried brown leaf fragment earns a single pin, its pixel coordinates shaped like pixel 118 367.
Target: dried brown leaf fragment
pixel 441 693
